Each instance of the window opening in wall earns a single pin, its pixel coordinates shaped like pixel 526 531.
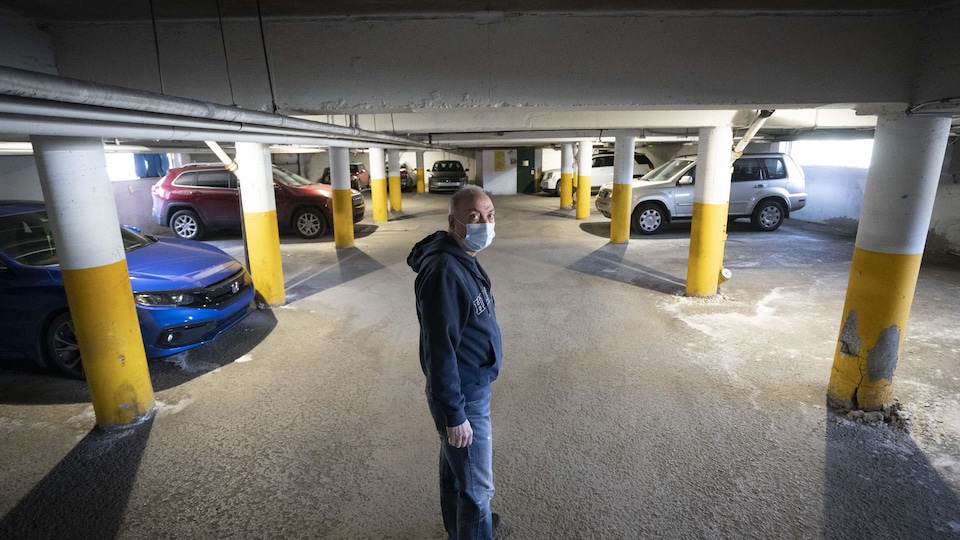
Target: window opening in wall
pixel 838 153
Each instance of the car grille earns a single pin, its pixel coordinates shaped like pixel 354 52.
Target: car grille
pixel 224 291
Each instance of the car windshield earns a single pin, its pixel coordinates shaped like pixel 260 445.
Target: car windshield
pixel 447 166
pixel 668 170
pixel 290 179
pixel 27 239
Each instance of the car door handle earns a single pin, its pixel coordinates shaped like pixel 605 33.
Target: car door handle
pixel 760 185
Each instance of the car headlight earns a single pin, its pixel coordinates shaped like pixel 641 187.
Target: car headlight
pixel 164 299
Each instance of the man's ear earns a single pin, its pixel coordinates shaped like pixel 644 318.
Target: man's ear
pixel 450 221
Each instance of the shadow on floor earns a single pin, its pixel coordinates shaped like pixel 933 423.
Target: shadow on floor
pixel 23 383
pixel 86 494
pixel 879 484
pixel 608 263
pixel 352 263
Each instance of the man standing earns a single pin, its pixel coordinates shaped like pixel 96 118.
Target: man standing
pixel 460 355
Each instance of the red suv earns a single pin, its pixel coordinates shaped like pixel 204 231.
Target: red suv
pixel 359 176
pixel 204 196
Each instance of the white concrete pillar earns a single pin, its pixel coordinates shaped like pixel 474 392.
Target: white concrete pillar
pixel 260 229
pixel 378 185
pixel 342 197
pixel 584 180
pixel 566 175
pixel 711 198
pixel 93 264
pixel 622 189
pixel 902 182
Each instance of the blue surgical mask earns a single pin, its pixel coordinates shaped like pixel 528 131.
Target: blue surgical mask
pixel 479 236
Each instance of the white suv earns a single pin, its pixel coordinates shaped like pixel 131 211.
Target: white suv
pixel 601 173
pixel 763 187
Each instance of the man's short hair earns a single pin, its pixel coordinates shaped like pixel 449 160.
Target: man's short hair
pixel 468 190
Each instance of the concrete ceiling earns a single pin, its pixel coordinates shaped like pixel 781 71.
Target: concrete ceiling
pixel 119 10
pixel 490 128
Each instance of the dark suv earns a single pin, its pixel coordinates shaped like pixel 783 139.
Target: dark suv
pixel 204 196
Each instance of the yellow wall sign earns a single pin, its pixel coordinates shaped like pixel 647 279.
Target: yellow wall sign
pixel 499 160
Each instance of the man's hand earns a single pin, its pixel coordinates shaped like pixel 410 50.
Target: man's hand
pixel 460 436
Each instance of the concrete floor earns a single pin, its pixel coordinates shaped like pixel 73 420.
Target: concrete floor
pixel 624 409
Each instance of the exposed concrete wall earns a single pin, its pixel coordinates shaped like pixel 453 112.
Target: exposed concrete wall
pixel 369 65
pixel 945 222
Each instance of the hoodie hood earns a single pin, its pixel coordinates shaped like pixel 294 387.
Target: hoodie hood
pixel 436 243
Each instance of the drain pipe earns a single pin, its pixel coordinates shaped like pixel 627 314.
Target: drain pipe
pixel 752 129
pixel 228 162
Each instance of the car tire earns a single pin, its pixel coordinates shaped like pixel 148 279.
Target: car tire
pixel 186 224
pixel 648 218
pixel 59 346
pixel 309 223
pixel 768 215
pixel 556 190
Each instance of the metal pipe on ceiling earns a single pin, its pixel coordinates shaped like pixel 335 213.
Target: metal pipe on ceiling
pixel 40 125
pixel 15 107
pixel 61 90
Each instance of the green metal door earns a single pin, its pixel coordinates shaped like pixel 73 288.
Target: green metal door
pixel 526 170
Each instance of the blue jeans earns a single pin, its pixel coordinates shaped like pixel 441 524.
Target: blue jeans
pixel 466 474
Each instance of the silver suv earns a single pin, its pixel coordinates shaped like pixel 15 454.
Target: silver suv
pixel 763 187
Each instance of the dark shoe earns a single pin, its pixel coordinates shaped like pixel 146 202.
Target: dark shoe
pixel 496 522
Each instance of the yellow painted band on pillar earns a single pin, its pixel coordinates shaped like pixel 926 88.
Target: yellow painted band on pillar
pixel 378 198
pixel 263 253
pixel 620 213
pixel 420 185
pixel 106 325
pixel 343 217
pixel 396 201
pixel 583 197
pixel 877 307
pixel 566 190
pixel 707 233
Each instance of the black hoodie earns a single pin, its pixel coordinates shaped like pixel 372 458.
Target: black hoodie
pixel 460 346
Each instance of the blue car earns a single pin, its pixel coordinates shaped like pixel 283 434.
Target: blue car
pixel 186 293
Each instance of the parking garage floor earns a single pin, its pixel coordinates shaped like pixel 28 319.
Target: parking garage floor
pixel 624 409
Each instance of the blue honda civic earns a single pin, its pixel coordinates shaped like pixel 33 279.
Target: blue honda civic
pixel 186 293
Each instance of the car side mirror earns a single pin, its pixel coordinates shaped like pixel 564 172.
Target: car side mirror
pixel 685 180
pixel 466 170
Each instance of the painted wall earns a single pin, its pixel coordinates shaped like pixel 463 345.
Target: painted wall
pixel 834 196
pixel 19 179
pixel 500 171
